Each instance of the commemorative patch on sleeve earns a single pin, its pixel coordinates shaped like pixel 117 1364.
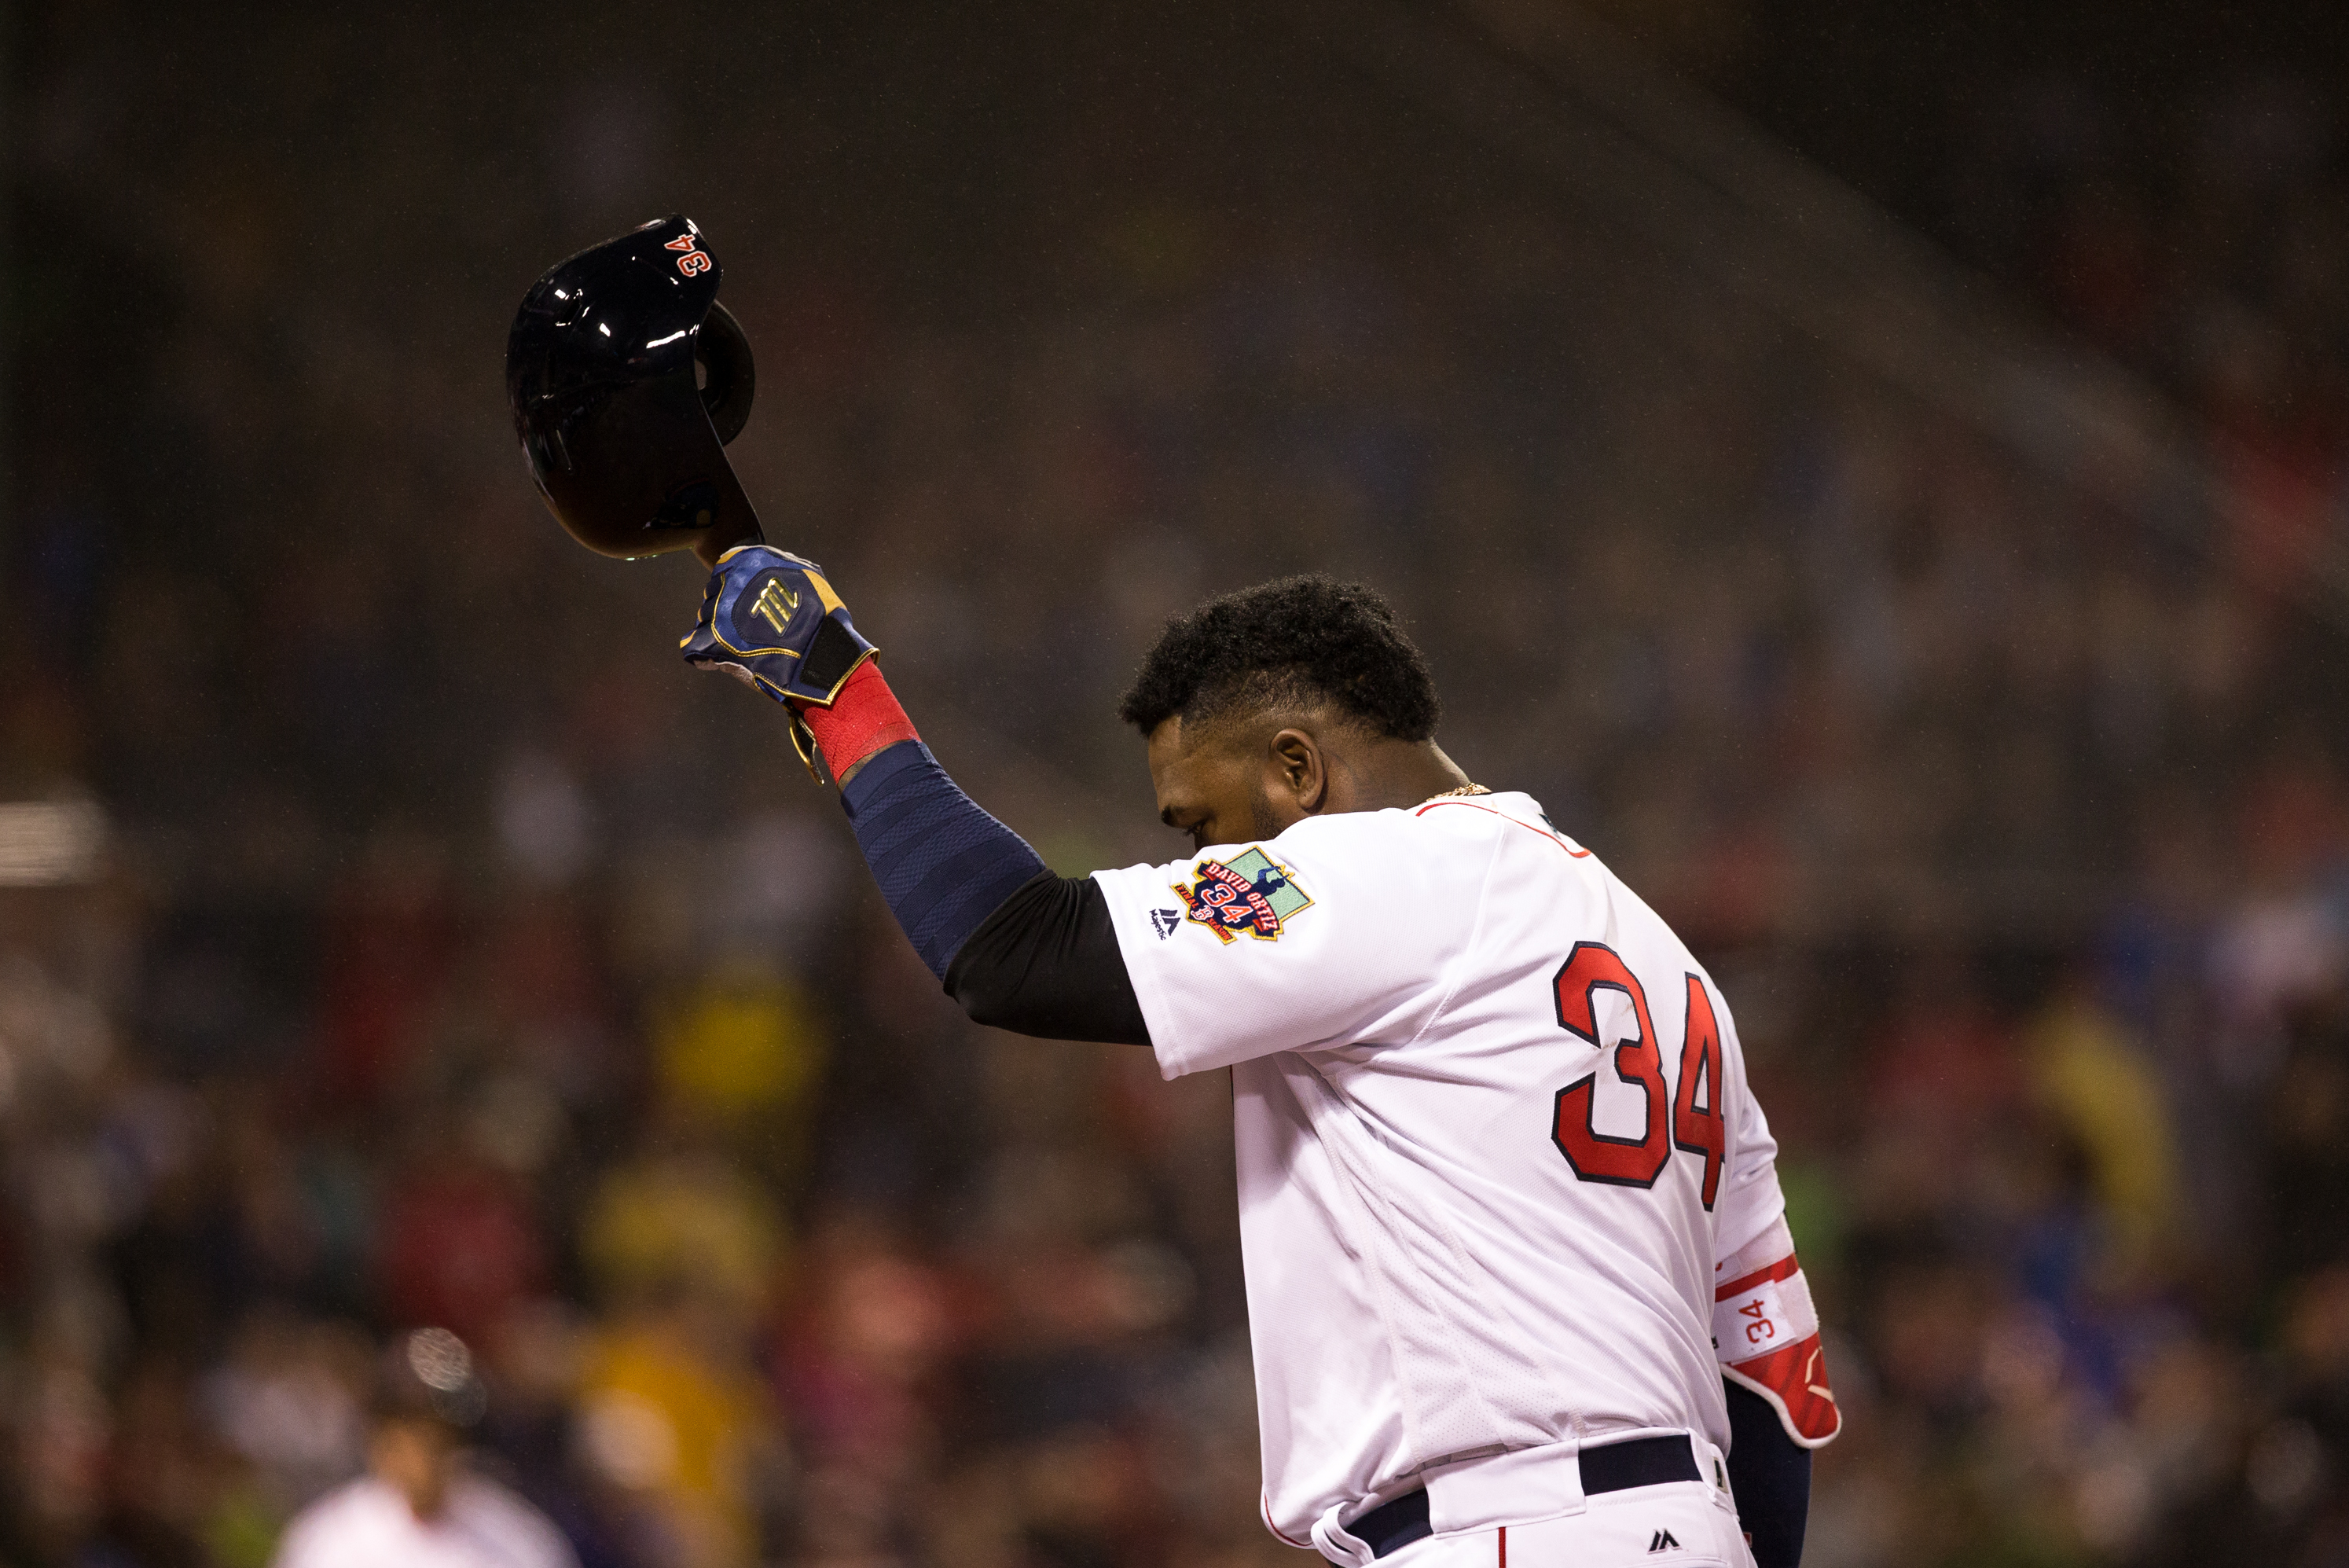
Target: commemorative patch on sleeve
pixel 1254 893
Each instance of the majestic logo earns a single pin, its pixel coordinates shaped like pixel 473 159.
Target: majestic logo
pixel 775 605
pixel 1163 922
pixel 1255 894
pixel 1661 1540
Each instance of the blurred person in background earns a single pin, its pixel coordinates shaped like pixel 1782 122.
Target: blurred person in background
pixel 420 1505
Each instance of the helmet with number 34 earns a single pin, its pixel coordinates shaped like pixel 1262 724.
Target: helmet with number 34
pixel 626 439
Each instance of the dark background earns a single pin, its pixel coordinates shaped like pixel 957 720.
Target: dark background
pixel 1873 472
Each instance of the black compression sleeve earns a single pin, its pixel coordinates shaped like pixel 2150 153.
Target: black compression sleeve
pixel 1771 1475
pixel 1046 963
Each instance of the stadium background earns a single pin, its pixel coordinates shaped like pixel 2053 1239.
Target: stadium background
pixel 1930 599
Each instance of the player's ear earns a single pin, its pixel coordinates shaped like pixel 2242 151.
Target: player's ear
pixel 1301 771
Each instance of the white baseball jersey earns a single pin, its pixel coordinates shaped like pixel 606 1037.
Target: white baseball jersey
pixel 369 1524
pixel 1494 1138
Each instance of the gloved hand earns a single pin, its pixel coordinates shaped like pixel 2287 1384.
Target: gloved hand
pixel 769 619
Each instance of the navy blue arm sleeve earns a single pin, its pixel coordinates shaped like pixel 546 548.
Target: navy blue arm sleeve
pixel 1017 947
pixel 1771 1475
pixel 942 863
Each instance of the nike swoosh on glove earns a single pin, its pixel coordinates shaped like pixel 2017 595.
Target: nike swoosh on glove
pixel 770 620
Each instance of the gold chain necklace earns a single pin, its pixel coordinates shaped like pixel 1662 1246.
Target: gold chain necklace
pixel 1455 793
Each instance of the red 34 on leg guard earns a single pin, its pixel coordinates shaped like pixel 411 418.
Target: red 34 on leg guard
pixel 864 719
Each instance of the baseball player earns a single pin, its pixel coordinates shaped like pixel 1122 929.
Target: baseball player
pixel 421 1505
pixel 1520 1280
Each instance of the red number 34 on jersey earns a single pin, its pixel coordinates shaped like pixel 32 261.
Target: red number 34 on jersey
pixel 1765 1330
pixel 1696 1125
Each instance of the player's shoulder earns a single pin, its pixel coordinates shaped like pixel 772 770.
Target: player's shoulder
pixel 360 1498
pixel 342 1525
pixel 1430 826
pixel 526 1536
pixel 1421 860
pixel 1436 855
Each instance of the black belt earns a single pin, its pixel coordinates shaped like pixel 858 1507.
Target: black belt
pixel 1611 1467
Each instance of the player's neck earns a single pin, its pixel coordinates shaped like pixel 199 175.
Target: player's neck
pixel 1395 774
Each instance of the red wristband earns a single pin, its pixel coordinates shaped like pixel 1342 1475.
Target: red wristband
pixel 865 718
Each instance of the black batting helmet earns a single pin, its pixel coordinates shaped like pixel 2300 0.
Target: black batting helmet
pixel 629 453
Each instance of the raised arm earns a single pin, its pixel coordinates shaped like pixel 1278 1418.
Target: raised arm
pixel 1016 945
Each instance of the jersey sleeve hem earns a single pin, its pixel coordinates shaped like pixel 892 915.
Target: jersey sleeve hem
pixel 1148 989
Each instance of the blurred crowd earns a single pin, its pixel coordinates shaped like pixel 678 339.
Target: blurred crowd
pixel 459 960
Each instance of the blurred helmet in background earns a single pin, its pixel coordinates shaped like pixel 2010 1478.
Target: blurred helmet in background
pixel 428 1374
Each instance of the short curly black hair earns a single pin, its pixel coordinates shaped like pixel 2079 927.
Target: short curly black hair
pixel 1296 642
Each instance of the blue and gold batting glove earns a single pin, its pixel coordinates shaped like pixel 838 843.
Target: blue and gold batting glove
pixel 769 619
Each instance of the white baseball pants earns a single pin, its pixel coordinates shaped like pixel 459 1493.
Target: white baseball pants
pixel 1679 1524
